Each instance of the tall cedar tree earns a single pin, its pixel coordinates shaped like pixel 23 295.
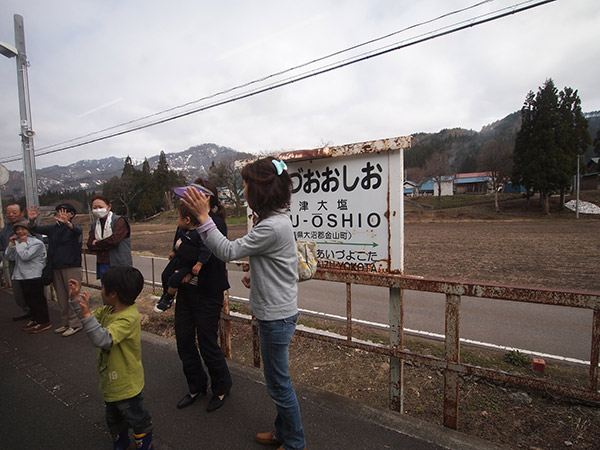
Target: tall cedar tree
pixel 553 132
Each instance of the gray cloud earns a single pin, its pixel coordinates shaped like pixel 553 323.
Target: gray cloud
pixel 86 54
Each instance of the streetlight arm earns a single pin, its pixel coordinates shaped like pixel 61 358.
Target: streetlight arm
pixel 8 50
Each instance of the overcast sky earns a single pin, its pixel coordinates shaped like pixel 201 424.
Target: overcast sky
pixel 95 64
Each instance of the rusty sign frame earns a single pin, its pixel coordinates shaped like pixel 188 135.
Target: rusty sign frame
pixel 389 153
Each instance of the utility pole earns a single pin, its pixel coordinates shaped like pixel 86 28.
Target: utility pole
pixel 27 133
pixel 577 185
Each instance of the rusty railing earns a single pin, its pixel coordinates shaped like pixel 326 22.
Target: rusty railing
pixel 450 365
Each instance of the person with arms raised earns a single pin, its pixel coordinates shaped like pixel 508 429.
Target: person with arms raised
pixel 64 255
pixel 273 282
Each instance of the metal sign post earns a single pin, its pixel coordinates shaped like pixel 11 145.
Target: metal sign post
pixel 350 201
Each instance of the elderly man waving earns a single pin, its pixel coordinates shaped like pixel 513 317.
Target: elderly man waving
pixel 64 253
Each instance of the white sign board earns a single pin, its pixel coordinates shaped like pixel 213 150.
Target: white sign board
pixel 343 204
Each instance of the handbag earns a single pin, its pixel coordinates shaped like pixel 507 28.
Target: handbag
pixel 307 259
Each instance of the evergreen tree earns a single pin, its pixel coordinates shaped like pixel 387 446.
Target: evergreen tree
pixel 161 173
pixel 112 189
pixel 552 133
pixel 573 136
pixel 146 168
pixel 128 169
pixel 163 181
pixel 146 207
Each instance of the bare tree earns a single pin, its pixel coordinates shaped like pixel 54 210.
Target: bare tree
pixel 415 173
pixel 436 167
pixel 496 157
pixel 225 175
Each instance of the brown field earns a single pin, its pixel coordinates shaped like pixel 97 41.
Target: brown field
pixel 563 254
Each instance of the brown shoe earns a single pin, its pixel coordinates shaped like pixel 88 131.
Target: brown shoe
pixel 29 325
pixel 268 438
pixel 40 327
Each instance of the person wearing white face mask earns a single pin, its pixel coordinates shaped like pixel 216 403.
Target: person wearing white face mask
pixel 109 237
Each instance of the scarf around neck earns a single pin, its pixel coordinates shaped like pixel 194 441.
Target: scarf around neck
pixel 106 231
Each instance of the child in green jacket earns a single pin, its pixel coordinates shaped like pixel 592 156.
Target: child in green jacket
pixel 115 330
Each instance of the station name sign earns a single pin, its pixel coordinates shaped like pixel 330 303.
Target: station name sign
pixel 343 204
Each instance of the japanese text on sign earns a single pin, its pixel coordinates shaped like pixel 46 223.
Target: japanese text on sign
pixel 341 203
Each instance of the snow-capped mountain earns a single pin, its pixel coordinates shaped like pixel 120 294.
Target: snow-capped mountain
pixel 93 173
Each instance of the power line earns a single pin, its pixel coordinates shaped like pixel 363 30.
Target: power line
pixel 267 77
pixel 459 26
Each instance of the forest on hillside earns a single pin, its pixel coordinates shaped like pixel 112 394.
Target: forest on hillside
pixel 463 147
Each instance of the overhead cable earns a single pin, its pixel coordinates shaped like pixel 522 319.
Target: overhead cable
pixel 267 77
pixel 459 26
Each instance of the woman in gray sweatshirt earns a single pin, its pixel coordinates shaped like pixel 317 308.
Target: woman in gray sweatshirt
pixel 271 249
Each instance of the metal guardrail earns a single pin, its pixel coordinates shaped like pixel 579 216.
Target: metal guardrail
pixel 450 365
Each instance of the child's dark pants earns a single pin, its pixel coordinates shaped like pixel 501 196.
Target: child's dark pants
pixel 128 413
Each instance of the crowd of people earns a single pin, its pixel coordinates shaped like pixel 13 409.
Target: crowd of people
pixel 195 279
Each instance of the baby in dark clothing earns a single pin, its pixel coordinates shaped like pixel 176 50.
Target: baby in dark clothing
pixel 187 257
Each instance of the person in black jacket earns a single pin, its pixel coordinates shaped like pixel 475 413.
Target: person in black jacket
pixel 64 253
pixel 197 313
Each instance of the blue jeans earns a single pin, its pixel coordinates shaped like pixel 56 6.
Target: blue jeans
pixel 275 337
pixel 100 269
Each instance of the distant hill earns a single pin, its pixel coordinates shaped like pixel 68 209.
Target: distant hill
pixel 460 144
pixel 93 173
pixel 463 146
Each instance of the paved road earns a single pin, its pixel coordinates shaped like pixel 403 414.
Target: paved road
pixel 50 401
pixel 547 329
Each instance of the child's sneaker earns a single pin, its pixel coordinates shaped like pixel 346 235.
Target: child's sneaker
pixel 121 440
pixel 143 441
pixel 165 302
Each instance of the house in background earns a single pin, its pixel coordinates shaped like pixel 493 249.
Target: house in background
pixel 591 181
pixel 429 186
pixel 411 189
pixel 463 183
pixel 509 188
pixel 473 183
